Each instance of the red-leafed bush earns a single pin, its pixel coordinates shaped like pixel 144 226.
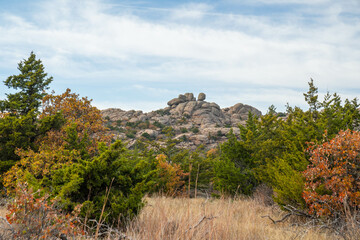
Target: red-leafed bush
pixel 33 217
pixel 332 180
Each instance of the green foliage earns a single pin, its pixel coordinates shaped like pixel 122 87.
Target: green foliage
pixel 183 138
pixel 158 124
pixel 233 170
pixel 232 180
pixel 15 132
pixel 277 147
pixel 168 131
pixel 148 136
pixel 31 82
pixel 19 123
pixel 163 112
pixel 130 133
pixel 198 166
pixel 183 130
pixel 186 116
pixel 86 182
pixel 194 130
pixel 131 124
pixel 311 97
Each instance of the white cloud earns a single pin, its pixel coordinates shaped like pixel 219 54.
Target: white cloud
pixel 192 11
pixel 82 40
pixel 307 2
pixel 145 106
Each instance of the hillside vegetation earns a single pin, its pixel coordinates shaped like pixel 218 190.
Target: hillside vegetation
pixel 65 175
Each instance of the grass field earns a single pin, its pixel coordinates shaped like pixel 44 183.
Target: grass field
pixel 182 218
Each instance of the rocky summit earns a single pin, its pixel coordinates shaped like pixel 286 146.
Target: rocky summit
pixel 193 122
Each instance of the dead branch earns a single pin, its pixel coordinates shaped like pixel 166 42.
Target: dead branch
pixel 200 221
pixel 292 211
pixel 277 221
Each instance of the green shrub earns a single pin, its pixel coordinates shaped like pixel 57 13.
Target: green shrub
pixel 163 112
pixel 231 180
pixel 186 115
pixel 234 169
pixel 86 182
pixel 183 130
pixel 130 135
pixel 148 136
pixel 194 130
pixel 184 138
pixel 158 124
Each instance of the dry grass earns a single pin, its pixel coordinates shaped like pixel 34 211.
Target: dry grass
pixel 3 211
pixel 182 218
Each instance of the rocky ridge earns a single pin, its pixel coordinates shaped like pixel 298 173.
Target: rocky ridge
pixel 193 122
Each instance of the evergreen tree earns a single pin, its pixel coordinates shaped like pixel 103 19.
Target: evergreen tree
pixel 19 124
pixel 311 96
pixel 32 83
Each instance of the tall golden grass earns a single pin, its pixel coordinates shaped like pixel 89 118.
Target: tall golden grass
pixel 182 218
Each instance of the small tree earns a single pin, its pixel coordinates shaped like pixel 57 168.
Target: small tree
pixel 234 169
pixel 311 96
pixel 166 178
pixel 79 114
pixel 332 180
pixel 19 125
pixel 32 83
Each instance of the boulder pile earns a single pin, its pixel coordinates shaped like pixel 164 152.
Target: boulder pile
pixel 194 121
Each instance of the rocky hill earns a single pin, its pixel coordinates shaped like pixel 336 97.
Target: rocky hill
pixel 193 122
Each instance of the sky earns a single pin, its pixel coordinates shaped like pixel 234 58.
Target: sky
pixel 140 54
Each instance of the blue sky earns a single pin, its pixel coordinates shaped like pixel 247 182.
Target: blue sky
pixel 140 54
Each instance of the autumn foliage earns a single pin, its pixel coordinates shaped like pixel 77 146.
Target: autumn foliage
pixel 77 138
pixel 37 217
pixel 332 180
pixel 170 177
pixel 78 112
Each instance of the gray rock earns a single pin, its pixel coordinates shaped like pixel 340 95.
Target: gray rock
pixel 199 139
pixel 175 101
pixel 243 109
pixel 151 132
pixel 206 116
pixel 201 111
pixel 183 97
pixel 214 105
pixel 190 97
pixel 201 97
pixel 206 105
pixel 179 109
pixel 217 112
pixel 189 108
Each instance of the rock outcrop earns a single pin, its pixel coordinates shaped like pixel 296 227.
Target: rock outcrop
pixel 194 121
pixel 201 97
